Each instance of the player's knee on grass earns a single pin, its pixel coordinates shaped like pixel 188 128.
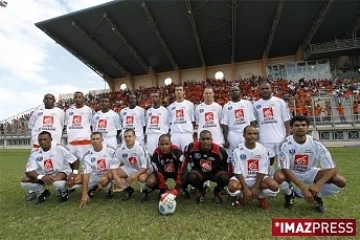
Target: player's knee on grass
pixel 151 181
pixel 234 186
pixel 27 179
pixel 271 184
pixel 104 181
pixel 223 180
pixel 194 180
pixel 338 180
pixel 279 176
pixel 60 176
pixel 142 178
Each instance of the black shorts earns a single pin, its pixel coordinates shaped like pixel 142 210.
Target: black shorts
pixel 172 175
pixel 212 176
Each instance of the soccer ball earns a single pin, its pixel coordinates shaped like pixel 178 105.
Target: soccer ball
pixel 167 208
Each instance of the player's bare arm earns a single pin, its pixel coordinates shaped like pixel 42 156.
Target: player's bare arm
pixel 326 175
pixel 48 180
pixel 136 175
pixel 287 128
pixel 225 130
pixel 255 190
pixel 85 199
pixel 247 193
pixel 309 198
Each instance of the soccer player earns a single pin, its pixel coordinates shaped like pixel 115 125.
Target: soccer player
pixel 156 123
pixel 133 117
pixel 96 163
pixel 78 124
pixel 209 162
pixel 237 114
pixel 181 119
pixel 131 161
pixel 250 163
pixel 53 164
pixel 167 160
pixel 49 118
pixel 299 157
pixel 273 121
pixel 107 122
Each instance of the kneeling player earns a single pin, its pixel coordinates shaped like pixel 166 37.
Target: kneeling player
pixel 251 166
pixel 96 163
pixel 131 161
pixel 299 156
pixel 53 162
pixel 209 162
pixel 167 159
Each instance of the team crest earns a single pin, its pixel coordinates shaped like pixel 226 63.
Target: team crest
pixel 71 113
pixel 40 113
pixel 197 155
pixel 124 155
pixel 93 159
pixel 173 108
pixel 124 113
pixel 292 151
pixel 201 110
pixel 242 156
pixel 258 106
pixel 229 108
pixel 39 159
pixel 97 118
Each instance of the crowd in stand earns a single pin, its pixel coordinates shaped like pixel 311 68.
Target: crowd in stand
pixel 304 97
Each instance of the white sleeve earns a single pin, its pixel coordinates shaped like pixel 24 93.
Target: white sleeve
pixel 192 112
pixel 117 121
pixel 147 116
pixel 62 119
pixel 86 168
pixel 254 110
pixel 285 111
pixel 115 163
pixel 225 116
pixel 66 118
pixel 169 115
pixel 323 154
pixel 143 157
pixel 143 115
pixel 264 162
pixel 284 158
pixel 91 115
pixel 68 156
pixel 197 115
pixel 31 164
pixel 219 111
pixel 235 161
pixel 251 112
pixel 33 119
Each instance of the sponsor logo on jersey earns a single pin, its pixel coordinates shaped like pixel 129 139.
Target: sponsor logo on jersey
pixel 132 161
pixel 252 167
pixel 48 121
pixel 239 116
pixel 169 167
pixel 301 162
pixel 129 120
pixel 206 165
pixel 101 164
pixel 48 165
pixel 268 114
pixel 102 124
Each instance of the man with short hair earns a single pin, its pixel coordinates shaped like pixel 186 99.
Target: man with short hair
pixel 96 163
pixel 250 163
pixel 167 160
pixel 49 165
pixel 107 122
pixel 131 161
pixel 209 161
pixel 237 114
pixel 133 117
pixel 78 126
pixel 181 119
pixel 156 123
pixel 299 157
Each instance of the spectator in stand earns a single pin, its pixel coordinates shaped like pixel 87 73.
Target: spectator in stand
pixel 341 110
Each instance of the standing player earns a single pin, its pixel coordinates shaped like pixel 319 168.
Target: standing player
pixel 78 124
pixel 133 117
pixel 208 115
pixel 96 164
pixel 107 122
pixel 131 161
pixel 167 160
pixel 299 157
pixel 50 165
pixel 49 118
pixel 250 166
pixel 181 119
pixel 156 123
pixel 237 114
pixel 273 120
pixel 209 162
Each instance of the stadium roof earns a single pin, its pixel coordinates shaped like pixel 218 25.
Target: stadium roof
pixel 129 38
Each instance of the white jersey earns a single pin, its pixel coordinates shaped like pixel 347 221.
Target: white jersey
pixel 181 117
pixel 57 159
pixel 133 119
pixel 271 115
pixel 107 123
pixel 238 115
pixel 301 158
pixel 157 120
pixel 78 123
pixel 135 158
pixel 208 118
pixel 249 162
pixel 97 163
pixel 50 120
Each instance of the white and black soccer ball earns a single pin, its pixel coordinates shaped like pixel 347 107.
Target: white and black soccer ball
pixel 168 207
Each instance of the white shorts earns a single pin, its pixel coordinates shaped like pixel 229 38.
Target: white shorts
pixel 130 171
pixel 235 139
pixel 79 150
pixel 250 182
pixel 273 149
pixel 307 177
pixel 94 181
pixel 111 142
pixel 152 142
pixel 182 139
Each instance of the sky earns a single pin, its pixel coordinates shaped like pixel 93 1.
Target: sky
pixel 31 63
